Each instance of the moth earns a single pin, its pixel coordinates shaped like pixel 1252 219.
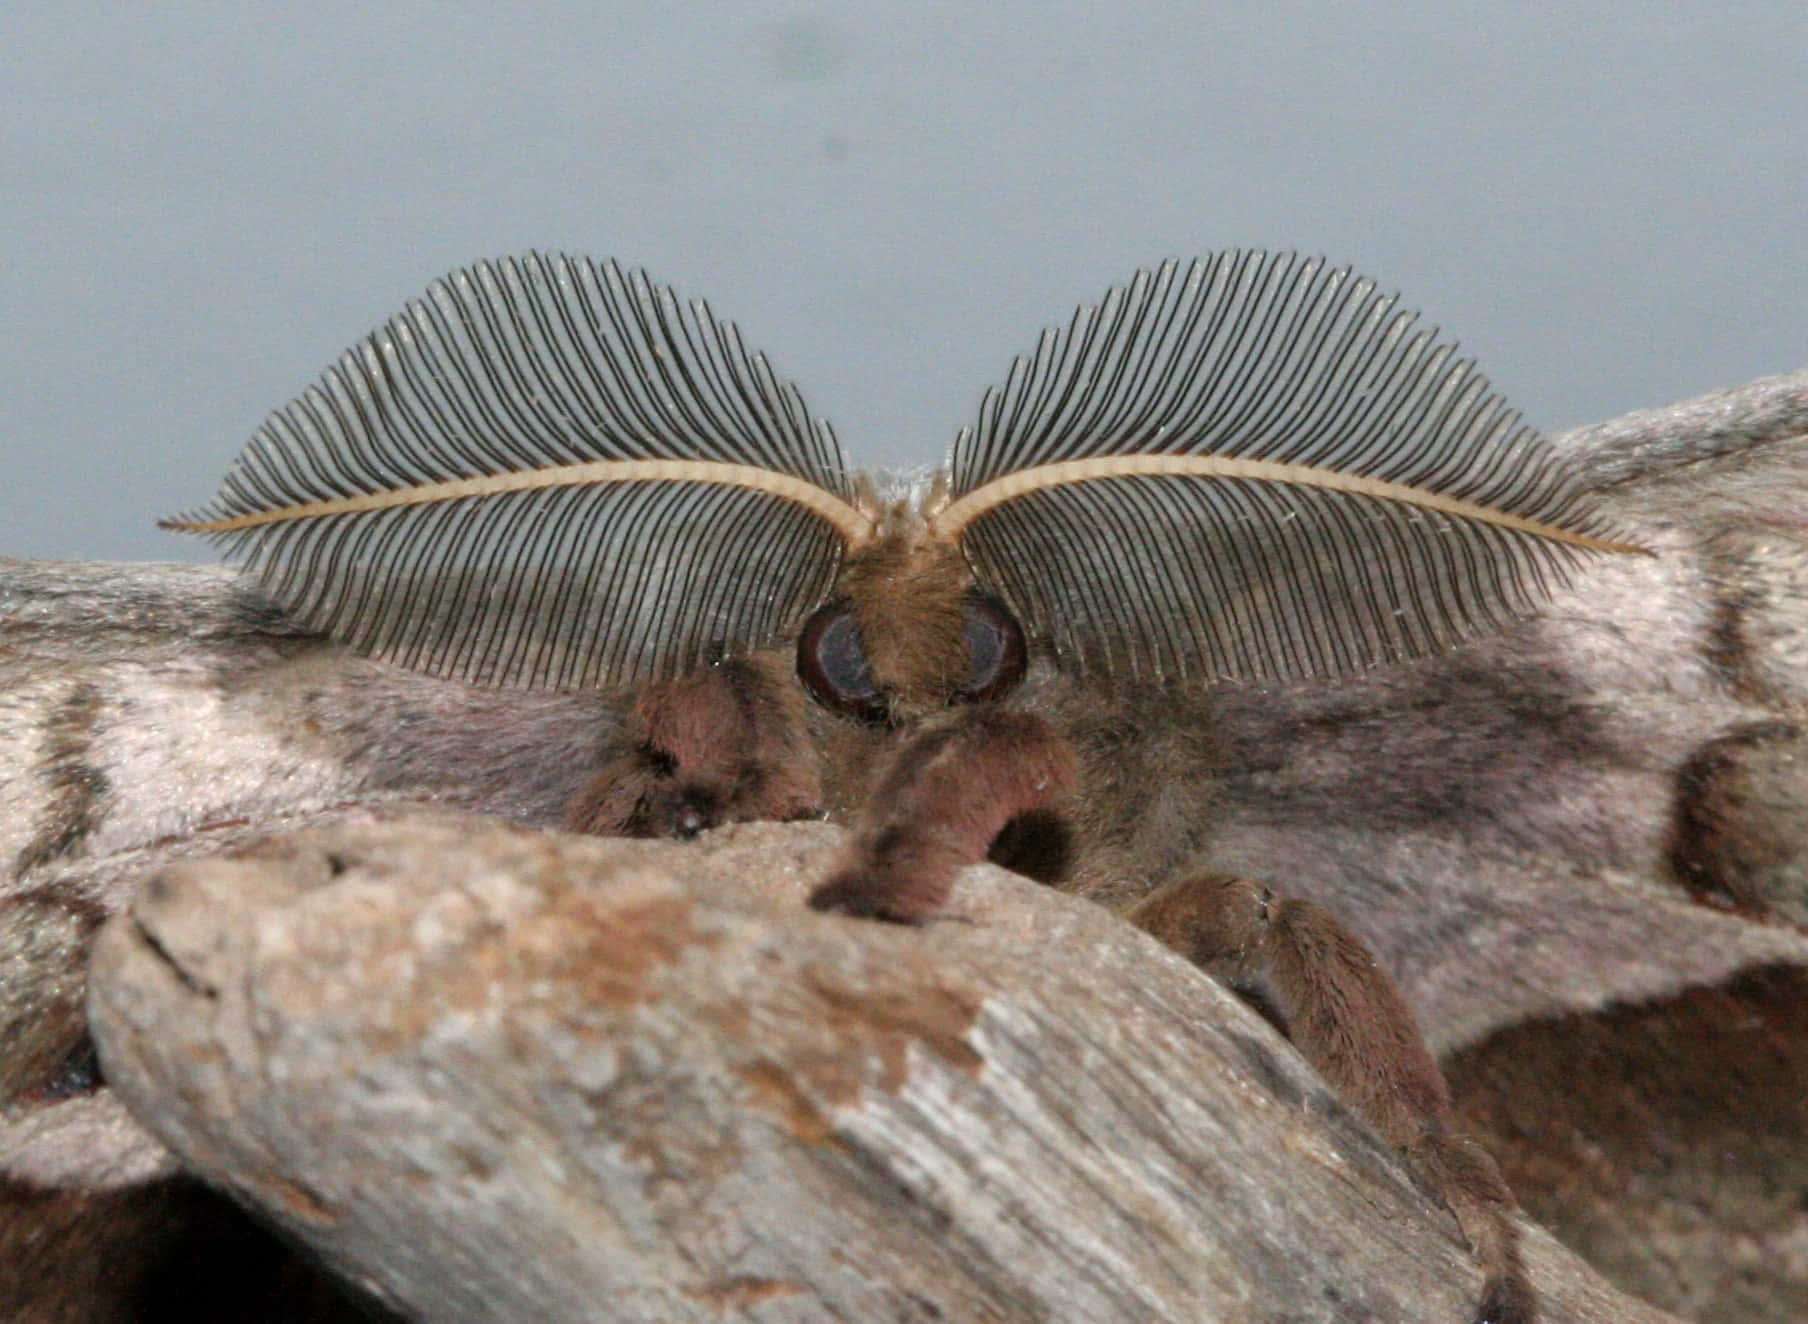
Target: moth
pixel 1253 469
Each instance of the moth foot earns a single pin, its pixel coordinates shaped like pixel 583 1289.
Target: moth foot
pixel 681 811
pixel 863 896
pixel 1507 1300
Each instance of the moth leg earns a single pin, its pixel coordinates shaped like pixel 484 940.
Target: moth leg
pixel 727 743
pixel 936 808
pixel 1298 962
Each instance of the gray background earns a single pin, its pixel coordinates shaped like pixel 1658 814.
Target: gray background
pixel 201 208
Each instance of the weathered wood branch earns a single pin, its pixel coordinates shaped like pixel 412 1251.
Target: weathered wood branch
pixel 501 1075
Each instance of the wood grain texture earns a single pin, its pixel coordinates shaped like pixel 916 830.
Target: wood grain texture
pixel 633 1081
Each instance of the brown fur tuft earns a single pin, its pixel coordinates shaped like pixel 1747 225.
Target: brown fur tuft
pixel 726 744
pixel 908 597
pixel 946 795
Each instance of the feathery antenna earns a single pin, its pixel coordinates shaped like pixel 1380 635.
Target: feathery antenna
pixel 546 472
pixel 1258 466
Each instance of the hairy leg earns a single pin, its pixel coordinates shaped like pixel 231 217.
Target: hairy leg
pixel 728 743
pixel 946 794
pixel 1299 962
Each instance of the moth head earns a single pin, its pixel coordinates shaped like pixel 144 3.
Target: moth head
pixel 908 632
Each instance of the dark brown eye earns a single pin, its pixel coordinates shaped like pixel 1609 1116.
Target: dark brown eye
pixel 995 651
pixel 831 662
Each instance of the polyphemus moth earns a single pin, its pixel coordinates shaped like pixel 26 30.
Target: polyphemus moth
pixel 550 472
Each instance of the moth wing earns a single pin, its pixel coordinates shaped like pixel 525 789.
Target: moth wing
pixel 544 472
pixel 1258 467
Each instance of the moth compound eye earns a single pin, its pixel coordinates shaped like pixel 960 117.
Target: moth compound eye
pixel 996 655
pixel 831 662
